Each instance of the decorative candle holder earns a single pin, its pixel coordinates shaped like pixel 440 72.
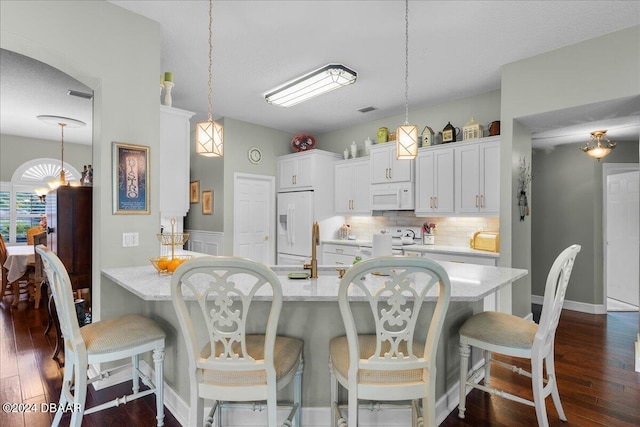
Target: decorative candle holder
pixel 167 93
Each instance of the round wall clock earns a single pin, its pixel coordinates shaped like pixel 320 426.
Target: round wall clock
pixel 255 155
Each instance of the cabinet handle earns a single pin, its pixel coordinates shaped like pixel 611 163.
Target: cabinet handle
pixel 386 173
pixel 431 202
pixel 435 202
pixel 389 173
pixel 339 263
pixel 352 204
pixel 477 201
pixel 482 200
pixel 339 251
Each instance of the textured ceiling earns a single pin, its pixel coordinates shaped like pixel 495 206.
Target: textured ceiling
pixel 456 49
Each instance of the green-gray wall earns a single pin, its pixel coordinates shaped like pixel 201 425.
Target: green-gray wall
pixel 218 173
pixel 117 54
pixel 560 79
pixel 567 192
pixel 16 150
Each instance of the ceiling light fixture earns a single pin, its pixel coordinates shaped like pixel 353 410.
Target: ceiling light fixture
pixel 209 134
pixel 596 148
pixel 62 122
pixel 406 135
pixel 42 193
pixel 317 82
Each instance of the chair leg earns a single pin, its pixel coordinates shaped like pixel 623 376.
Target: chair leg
pixel 196 409
pixel 429 403
pixel 50 315
pixel 135 377
pixel 465 351
pixel 79 393
pixel 272 407
pixel 353 405
pixel 487 368
pixel 158 362
pixel 551 374
pixel 297 392
pixel 538 392
pixel 334 395
pixel 67 381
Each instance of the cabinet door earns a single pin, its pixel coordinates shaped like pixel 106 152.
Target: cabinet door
pixel 425 171
pixel 287 168
pixel 379 165
pixel 400 170
pixel 467 187
pixel 490 178
pixel 304 172
pixel 360 188
pixel 443 181
pixel 344 188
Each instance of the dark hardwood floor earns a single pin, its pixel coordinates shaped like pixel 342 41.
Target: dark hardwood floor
pixel 594 362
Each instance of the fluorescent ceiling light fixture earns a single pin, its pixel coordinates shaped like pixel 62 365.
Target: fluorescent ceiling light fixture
pixel 322 80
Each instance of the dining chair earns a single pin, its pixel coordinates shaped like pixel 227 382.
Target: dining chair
pixel 15 285
pixel 237 359
pixel 38 278
pixel 510 335
pixel 101 342
pixel 397 362
pixel 31 232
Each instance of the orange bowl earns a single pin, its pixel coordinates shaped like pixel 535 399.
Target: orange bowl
pixel 167 265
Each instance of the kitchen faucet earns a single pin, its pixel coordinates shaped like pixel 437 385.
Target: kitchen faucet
pixel 315 241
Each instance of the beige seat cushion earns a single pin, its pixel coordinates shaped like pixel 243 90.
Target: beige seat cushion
pixel 339 351
pixel 120 333
pixel 285 358
pixel 500 329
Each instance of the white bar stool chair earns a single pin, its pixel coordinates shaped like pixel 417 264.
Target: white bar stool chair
pixel 514 336
pixel 100 342
pixel 226 364
pixel 392 364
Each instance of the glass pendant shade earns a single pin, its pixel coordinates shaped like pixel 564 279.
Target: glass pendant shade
pixel 209 139
pixel 596 148
pixel 406 142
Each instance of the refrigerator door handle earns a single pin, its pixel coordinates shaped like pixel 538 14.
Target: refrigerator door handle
pixel 292 225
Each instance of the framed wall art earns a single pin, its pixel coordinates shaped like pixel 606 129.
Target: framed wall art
pixel 130 179
pixel 194 192
pixel 207 202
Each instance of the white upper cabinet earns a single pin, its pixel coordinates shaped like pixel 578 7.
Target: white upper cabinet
pixel 352 187
pixel 175 131
pixel 477 177
pixel 434 181
pixel 296 171
pixel 386 168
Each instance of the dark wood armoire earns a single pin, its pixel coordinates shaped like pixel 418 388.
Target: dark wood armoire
pixel 69 221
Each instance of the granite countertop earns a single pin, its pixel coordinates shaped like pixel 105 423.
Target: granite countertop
pixel 470 282
pixel 456 250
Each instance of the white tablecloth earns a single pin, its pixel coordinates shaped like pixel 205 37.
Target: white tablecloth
pixel 17 259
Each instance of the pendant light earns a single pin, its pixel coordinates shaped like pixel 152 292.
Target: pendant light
pixel 406 135
pixel 62 122
pixel 596 148
pixel 209 134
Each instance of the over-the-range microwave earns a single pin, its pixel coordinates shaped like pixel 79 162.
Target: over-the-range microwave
pixel 395 196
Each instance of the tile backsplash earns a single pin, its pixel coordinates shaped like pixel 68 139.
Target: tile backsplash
pixel 450 231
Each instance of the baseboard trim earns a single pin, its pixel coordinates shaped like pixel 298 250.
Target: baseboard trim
pixel 311 417
pixel 575 305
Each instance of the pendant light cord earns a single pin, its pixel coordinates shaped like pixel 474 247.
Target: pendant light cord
pixel 406 62
pixel 210 57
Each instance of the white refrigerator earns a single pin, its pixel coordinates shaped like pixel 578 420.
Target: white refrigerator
pixel 295 219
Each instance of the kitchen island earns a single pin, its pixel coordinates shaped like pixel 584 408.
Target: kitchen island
pixel 310 312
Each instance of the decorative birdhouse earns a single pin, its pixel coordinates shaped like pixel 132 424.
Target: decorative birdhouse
pixel 471 130
pixel 427 137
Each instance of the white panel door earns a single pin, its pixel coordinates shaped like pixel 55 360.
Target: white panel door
pixel 490 177
pixel 467 187
pixel 254 217
pixel 623 237
pixel 361 183
pixel 344 188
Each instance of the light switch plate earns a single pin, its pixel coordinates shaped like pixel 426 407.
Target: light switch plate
pixel 129 240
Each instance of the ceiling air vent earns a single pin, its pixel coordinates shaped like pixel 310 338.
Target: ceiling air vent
pixel 80 94
pixel 367 109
